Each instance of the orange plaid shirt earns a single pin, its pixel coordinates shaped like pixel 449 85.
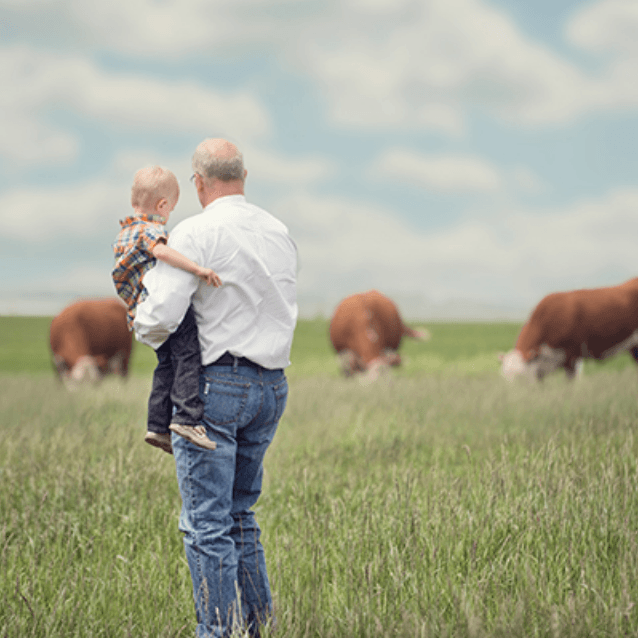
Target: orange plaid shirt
pixel 133 250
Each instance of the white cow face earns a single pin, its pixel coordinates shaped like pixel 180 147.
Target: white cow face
pixel 513 365
pixel 84 370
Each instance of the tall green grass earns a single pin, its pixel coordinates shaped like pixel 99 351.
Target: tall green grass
pixel 441 505
pixel 439 501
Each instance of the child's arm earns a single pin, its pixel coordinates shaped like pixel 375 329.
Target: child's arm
pixel 177 260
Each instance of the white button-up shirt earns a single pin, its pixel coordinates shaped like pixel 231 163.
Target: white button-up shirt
pixel 254 313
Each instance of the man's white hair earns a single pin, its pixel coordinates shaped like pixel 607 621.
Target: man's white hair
pixel 211 166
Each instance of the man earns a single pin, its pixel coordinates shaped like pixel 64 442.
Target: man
pixel 245 333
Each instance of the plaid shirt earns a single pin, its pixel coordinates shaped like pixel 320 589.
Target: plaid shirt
pixel 133 250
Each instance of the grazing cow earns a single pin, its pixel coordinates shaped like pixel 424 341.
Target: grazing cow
pixel 567 327
pixel 90 339
pixel 366 331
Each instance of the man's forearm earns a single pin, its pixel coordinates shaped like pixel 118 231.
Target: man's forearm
pixel 169 295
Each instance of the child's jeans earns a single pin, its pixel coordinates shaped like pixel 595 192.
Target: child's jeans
pixel 176 379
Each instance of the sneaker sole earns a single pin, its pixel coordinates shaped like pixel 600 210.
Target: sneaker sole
pixel 190 434
pixel 160 444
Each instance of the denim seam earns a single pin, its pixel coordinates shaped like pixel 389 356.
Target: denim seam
pixel 201 601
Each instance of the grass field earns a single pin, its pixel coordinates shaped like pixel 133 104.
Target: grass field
pixel 436 502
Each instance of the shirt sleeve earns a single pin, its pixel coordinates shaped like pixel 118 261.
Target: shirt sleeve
pixel 169 293
pixel 153 234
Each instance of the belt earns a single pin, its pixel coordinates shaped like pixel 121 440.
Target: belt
pixel 228 359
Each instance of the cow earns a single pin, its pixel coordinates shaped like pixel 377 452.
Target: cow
pixel 366 330
pixel 567 327
pixel 90 339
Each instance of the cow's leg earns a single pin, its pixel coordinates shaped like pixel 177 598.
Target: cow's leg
pixel 574 368
pixel 392 358
pixel 346 362
pixel 118 364
pixel 350 362
pixel 61 366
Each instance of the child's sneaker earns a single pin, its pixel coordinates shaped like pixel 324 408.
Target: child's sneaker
pixel 194 433
pixel 160 440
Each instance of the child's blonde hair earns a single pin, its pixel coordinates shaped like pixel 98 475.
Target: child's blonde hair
pixel 151 184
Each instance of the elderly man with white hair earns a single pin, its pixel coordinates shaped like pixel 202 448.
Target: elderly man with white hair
pixel 245 331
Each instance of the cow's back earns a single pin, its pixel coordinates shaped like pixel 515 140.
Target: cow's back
pixel 367 324
pixel 386 320
pixel 349 320
pixel 585 322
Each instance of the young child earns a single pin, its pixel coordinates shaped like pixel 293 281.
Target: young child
pixel 140 242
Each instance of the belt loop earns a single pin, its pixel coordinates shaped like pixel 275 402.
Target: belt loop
pixel 235 364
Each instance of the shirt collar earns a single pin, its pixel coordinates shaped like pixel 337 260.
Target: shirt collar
pixel 137 219
pixel 225 199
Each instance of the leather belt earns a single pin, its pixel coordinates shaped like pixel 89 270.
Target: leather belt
pixel 228 359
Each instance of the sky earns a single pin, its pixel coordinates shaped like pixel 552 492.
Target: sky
pixel 464 157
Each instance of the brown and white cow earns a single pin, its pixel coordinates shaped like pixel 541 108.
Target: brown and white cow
pixel 90 339
pixel 567 327
pixel 366 331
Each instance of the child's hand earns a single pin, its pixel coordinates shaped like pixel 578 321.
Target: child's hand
pixel 209 276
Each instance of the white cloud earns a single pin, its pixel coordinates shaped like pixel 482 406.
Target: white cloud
pixel 157 30
pixel 608 25
pixel 292 170
pixel 515 257
pixel 610 29
pixel 429 64
pixel 41 216
pixel 425 65
pixel 36 82
pixel 92 208
pixel 528 181
pixel 441 173
pixel 510 258
pixel 51 293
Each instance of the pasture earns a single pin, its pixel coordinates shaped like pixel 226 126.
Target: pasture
pixel 437 502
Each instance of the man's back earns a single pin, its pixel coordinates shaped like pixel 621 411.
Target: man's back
pixel 254 313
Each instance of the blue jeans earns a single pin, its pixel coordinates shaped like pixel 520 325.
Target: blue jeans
pixel 242 407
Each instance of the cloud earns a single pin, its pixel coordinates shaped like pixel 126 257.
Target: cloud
pixel 509 258
pixel 51 293
pixel 267 165
pixel 156 30
pixel 440 173
pixel 527 181
pixel 42 216
pixel 37 82
pixel 610 29
pixel 431 64
pixel 90 209
pixel 414 65
pixel 606 26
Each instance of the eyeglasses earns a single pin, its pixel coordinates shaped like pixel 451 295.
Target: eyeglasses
pixel 192 177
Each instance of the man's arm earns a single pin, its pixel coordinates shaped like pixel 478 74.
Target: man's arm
pixel 169 295
pixel 174 258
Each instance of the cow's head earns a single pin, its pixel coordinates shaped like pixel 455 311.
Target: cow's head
pixel 513 365
pixel 535 367
pixel 86 369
